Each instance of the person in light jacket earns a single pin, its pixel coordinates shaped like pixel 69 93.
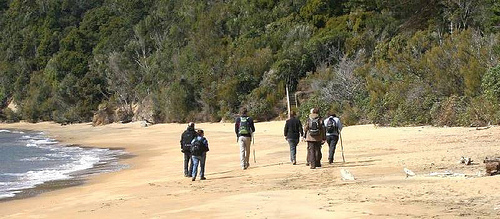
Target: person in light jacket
pixel 333 127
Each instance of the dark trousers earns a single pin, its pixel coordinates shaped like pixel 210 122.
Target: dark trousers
pixel 314 153
pixel 188 162
pixel 293 148
pixel 332 144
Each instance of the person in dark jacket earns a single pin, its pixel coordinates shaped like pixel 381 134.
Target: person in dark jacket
pixel 199 157
pixel 187 136
pixel 293 131
pixel 314 134
pixel 244 128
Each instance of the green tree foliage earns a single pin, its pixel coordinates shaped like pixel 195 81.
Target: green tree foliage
pixel 491 83
pixel 382 61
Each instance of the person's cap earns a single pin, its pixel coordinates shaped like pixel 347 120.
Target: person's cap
pixel 191 124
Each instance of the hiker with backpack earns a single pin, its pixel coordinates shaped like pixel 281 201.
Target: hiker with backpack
pixel 315 137
pixel 199 149
pixel 333 127
pixel 293 131
pixel 244 128
pixel 187 136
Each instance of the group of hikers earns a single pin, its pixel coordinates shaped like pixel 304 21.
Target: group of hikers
pixel 316 132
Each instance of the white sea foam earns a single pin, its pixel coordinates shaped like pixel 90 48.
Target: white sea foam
pixel 74 159
pixel 7 195
pixel 9 131
pixel 36 159
pixel 31 145
pixel 33 178
pixel 59 155
pixel 45 141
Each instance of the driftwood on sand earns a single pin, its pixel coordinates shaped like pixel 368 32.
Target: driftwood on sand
pixel 492 165
pixel 408 172
pixel 346 175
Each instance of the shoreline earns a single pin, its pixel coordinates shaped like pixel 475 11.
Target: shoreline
pixel 76 178
pixel 154 185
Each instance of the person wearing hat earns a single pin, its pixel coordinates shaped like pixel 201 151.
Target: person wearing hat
pixel 186 138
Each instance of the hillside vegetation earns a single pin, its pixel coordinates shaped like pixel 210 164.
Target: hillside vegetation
pixel 389 62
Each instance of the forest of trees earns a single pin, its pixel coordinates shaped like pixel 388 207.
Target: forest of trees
pixel 390 62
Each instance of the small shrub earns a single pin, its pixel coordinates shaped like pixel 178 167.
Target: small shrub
pixel 491 84
pixel 451 112
pixel 10 116
pixel 350 115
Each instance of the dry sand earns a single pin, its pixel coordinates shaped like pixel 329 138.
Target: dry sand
pixel 154 185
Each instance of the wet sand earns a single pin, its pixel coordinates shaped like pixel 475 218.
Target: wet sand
pixel 154 185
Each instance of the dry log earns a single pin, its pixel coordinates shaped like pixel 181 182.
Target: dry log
pixel 346 175
pixel 492 168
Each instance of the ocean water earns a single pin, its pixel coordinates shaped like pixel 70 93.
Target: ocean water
pixel 30 159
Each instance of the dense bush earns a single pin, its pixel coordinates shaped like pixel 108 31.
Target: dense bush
pixel 368 61
pixel 491 84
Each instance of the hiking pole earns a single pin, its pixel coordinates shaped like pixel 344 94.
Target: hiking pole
pixel 254 156
pixel 341 146
pixel 253 142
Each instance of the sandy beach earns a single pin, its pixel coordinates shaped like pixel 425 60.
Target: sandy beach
pixel 154 186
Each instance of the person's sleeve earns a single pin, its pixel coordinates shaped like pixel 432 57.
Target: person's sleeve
pixel 206 144
pixel 340 125
pixel 306 128
pixel 182 136
pixel 252 126
pixel 285 131
pixel 323 130
pixel 236 126
pixel 301 131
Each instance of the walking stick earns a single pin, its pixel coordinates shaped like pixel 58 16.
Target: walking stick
pixel 342 147
pixel 253 142
pixel 254 156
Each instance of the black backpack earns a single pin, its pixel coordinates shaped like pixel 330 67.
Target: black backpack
pixel 331 126
pixel 314 126
pixel 187 137
pixel 197 147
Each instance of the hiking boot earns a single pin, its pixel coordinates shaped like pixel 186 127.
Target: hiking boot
pixel 307 164
pixel 293 162
pixel 203 178
pixel 312 167
pixel 194 178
